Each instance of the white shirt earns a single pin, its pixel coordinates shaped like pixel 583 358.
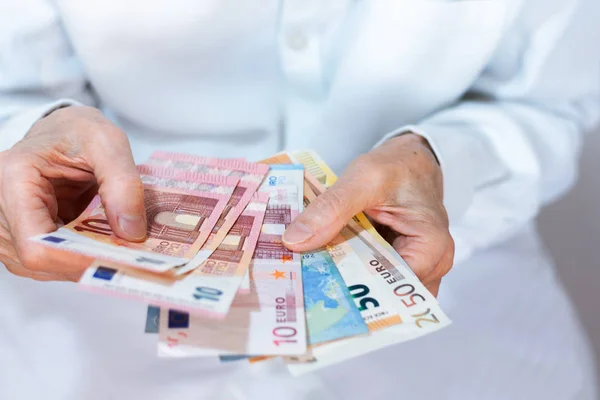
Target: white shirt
pixel 502 89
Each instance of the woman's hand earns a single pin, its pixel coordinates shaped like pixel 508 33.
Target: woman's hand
pixel 399 185
pixel 50 177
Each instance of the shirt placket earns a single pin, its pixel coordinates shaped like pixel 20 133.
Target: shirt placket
pixel 306 33
pixel 300 44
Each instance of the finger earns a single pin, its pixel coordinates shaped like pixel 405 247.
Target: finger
pixel 422 253
pixel 26 258
pixel 29 204
pixel 325 217
pixel 120 186
pixel 447 260
pixel 32 210
pixel 11 262
pixel 17 269
pixel 43 263
pixel 443 266
pixel 434 287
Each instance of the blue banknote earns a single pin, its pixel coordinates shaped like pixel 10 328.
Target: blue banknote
pixel 330 310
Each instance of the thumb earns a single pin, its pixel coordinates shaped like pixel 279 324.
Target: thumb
pixel 120 186
pixel 325 217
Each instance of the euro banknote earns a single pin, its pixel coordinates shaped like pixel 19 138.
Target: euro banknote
pixel 207 290
pixel 330 312
pixel 238 290
pixel 269 242
pixel 156 176
pixel 271 239
pixel 269 317
pixel 268 320
pixel 179 222
pixel 251 175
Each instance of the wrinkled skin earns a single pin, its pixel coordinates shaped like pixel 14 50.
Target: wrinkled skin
pixel 51 175
pixel 399 186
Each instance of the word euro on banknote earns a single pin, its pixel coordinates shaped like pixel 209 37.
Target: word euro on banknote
pixel 179 222
pixel 207 290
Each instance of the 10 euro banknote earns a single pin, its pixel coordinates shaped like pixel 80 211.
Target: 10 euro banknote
pixel 179 222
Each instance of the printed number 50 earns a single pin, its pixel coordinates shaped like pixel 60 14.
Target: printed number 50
pixel 363 290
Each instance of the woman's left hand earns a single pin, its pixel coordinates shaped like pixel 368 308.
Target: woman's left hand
pixel 399 185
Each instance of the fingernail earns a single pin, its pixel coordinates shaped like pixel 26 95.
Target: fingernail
pixel 297 233
pixel 133 225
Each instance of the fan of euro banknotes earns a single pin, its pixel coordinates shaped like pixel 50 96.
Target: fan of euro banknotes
pixel 220 282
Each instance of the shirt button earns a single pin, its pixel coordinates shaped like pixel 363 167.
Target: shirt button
pixel 297 40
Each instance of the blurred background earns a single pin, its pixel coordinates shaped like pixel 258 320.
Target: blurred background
pixel 571 230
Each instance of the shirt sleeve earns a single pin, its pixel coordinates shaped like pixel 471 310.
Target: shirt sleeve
pixel 39 71
pixel 512 143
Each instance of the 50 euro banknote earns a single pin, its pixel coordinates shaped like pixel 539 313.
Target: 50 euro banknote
pixel 373 272
pixel 208 290
pixel 179 222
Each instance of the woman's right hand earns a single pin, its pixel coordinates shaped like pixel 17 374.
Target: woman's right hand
pixel 51 175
